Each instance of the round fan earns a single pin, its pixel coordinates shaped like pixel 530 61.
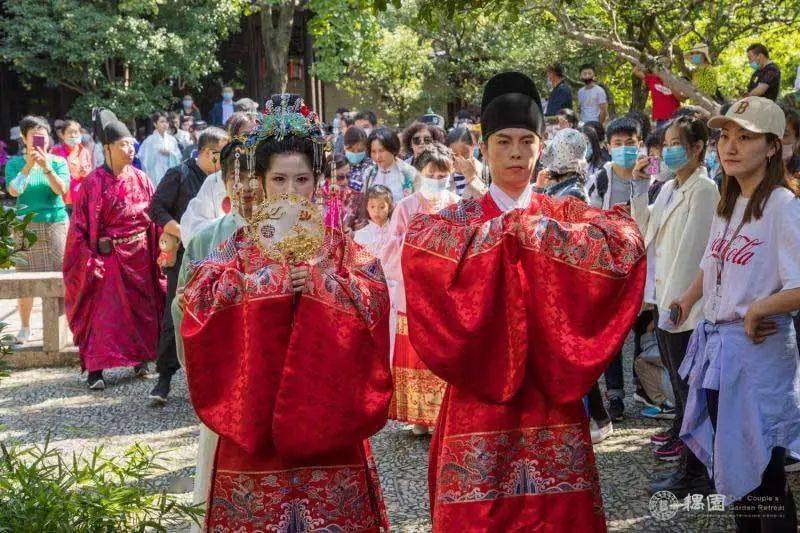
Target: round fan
pixel 287 228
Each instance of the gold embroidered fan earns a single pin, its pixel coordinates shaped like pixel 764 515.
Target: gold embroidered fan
pixel 287 228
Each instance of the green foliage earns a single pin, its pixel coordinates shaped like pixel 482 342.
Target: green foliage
pixel 14 238
pixel 40 490
pixel 395 74
pixel 344 34
pixel 613 33
pixel 129 55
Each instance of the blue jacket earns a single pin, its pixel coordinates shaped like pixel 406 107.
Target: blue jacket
pixel 215 117
pixel 560 98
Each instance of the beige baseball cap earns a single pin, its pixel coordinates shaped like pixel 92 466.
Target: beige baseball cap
pixel 753 113
pixel 700 48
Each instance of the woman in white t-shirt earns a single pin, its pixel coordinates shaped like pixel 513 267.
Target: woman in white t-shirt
pixel 743 408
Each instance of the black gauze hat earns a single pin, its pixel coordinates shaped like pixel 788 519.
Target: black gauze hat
pixel 511 100
pixel 107 127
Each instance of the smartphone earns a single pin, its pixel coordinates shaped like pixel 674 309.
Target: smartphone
pixel 653 166
pixel 674 314
pixel 38 141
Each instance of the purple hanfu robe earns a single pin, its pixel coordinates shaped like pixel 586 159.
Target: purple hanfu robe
pixel 114 302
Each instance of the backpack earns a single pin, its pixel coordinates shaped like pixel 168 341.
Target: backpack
pixel 599 183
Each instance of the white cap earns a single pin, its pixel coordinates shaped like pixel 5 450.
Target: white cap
pixel 700 48
pixel 754 113
pixel 15 133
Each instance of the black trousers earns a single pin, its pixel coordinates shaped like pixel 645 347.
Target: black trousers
pixel 774 491
pixel 615 373
pixel 672 347
pixel 167 363
pixel 597 410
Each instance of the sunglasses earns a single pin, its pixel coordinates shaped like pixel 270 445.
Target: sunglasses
pixel 421 140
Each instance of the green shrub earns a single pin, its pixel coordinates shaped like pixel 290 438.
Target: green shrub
pixel 41 491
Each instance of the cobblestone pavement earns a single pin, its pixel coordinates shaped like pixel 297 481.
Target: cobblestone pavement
pixel 34 403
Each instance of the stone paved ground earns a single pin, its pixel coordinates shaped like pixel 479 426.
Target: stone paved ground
pixel 36 402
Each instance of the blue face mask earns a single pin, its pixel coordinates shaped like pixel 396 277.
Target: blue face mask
pixel 625 156
pixel 355 158
pixel 589 152
pixel 227 96
pixel 754 65
pixel 476 153
pixel 675 157
pixel 697 59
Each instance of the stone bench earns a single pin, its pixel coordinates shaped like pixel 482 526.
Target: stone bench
pixel 56 348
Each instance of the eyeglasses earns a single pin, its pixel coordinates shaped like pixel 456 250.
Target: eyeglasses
pixel 421 140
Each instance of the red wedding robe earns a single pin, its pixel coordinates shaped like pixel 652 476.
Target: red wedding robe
pixel 520 314
pixel 293 388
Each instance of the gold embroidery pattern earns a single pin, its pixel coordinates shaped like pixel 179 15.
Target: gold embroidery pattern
pixel 417 396
pixel 402 325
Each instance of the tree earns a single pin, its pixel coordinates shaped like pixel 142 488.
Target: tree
pixel 470 47
pixel 640 31
pixel 128 55
pixel 395 74
pixel 343 33
pixel 277 22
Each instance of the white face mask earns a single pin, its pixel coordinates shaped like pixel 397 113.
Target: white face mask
pixel 430 187
pixel 72 141
pixel 788 152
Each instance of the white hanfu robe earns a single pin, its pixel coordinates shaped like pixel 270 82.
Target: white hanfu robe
pixel 201 246
pixel 154 163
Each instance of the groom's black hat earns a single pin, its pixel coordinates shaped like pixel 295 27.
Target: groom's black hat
pixel 511 100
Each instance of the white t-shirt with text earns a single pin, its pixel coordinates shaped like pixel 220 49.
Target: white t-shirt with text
pixel 763 259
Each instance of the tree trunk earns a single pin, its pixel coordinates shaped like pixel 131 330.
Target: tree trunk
pixel 638 94
pixel 276 31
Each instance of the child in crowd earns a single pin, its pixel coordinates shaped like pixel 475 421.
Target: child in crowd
pixel 379 205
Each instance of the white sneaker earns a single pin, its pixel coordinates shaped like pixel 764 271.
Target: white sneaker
pixel 23 336
pixel 599 434
pixel 419 430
